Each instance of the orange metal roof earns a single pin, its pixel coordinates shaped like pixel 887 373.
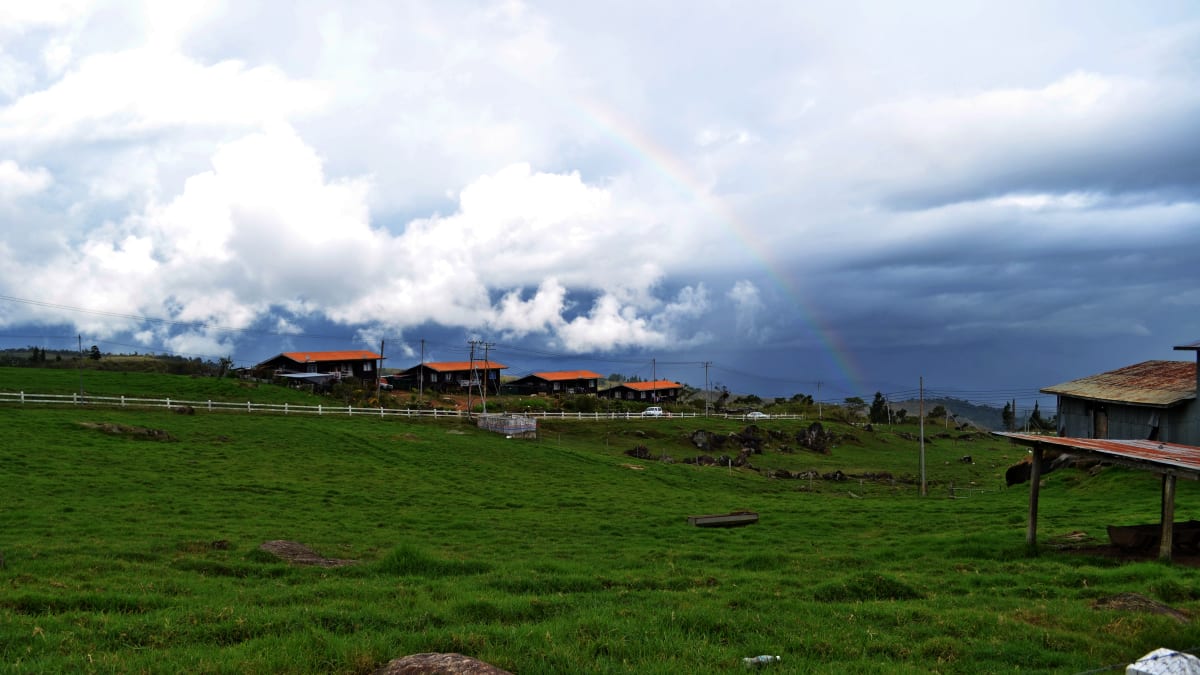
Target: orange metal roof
pixel 348 355
pixel 1153 455
pixel 465 365
pixel 568 375
pixel 651 386
pixel 1155 383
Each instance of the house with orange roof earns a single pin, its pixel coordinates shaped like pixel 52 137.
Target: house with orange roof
pixel 653 392
pixel 323 367
pixel 448 376
pixel 556 382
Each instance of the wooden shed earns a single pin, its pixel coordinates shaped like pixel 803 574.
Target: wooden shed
pixel 1152 400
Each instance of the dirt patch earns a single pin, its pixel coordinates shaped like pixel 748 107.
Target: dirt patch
pixel 114 429
pixel 443 664
pixel 299 554
pixel 1136 602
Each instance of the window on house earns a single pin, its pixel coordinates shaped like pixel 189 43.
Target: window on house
pixel 433 377
pixel 312 368
pixel 368 366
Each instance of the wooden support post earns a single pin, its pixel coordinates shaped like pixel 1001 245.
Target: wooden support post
pixel 1168 517
pixel 1035 480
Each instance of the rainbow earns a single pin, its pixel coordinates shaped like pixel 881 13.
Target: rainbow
pixel 626 134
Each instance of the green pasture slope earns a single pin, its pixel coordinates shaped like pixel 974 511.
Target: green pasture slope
pixel 560 555
pixel 66 381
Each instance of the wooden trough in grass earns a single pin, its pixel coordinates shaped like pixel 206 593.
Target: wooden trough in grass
pixel 732 519
pixel 1186 537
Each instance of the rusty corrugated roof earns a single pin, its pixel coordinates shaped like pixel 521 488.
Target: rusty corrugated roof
pixel 1148 454
pixel 1154 383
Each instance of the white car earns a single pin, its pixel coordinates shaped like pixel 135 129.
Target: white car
pixel 757 416
pixel 652 411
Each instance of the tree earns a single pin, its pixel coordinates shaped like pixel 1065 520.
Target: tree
pixel 1007 417
pixel 855 406
pixel 1035 418
pixel 938 412
pixel 879 410
pixel 94 353
pixel 722 397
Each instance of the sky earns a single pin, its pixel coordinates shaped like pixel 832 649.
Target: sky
pixel 822 198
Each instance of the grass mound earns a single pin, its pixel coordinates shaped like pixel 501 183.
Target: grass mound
pixel 865 587
pixel 407 560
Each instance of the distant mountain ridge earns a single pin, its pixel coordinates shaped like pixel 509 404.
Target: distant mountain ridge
pixel 983 416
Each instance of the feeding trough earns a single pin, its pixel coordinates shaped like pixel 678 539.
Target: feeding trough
pixel 733 519
pixel 1144 537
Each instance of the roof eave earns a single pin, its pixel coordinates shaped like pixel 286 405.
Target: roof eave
pixel 1098 399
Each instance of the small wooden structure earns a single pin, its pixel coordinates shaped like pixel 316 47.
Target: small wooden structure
pixel 1170 460
pixel 733 519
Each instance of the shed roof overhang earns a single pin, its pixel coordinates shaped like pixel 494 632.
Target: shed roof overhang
pixel 1169 459
pixel 1174 458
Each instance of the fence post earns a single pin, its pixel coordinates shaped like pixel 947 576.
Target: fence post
pixel 122 400
pixel 248 407
pixel 210 405
pixel 168 401
pixel 318 410
pixel 381 411
pixel 349 411
pixel 285 408
pixel 22 397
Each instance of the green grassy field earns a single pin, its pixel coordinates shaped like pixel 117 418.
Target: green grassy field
pixel 558 555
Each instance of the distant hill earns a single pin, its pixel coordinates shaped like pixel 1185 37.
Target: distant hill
pixel 982 416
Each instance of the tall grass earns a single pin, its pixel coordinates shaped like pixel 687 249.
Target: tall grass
pixel 124 553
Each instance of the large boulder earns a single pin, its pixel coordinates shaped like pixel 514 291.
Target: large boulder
pixel 439 664
pixel 817 439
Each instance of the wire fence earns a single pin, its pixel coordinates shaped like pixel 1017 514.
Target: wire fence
pixel 181 405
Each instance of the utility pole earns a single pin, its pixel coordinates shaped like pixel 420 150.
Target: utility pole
pixel 706 387
pixel 922 408
pixel 421 374
pixel 487 365
pixel 80 338
pixel 470 375
pixel 819 415
pixel 379 371
pixel 653 382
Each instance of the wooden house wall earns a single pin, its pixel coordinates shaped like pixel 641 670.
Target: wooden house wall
pixel 1178 424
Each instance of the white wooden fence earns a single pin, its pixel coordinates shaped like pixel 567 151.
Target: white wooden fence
pixel 27 398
